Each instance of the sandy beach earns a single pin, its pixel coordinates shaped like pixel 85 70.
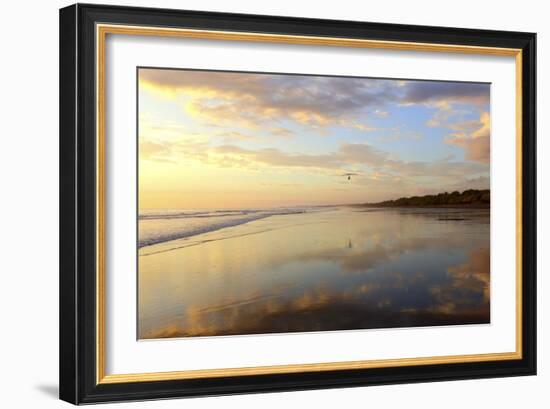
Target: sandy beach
pixel 324 269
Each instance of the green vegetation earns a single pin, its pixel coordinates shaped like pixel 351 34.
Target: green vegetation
pixel 471 197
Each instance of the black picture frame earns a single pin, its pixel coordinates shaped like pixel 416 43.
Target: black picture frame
pixel 78 313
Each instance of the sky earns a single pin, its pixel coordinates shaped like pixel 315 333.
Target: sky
pixel 211 139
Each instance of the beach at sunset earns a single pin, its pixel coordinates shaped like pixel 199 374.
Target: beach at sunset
pixel 280 202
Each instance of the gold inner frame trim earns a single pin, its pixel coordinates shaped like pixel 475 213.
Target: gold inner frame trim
pixel 101 33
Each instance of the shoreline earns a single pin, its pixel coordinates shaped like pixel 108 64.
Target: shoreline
pixel 187 235
pixel 212 229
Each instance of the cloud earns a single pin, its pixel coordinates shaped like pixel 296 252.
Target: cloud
pixel 346 156
pixel 153 150
pixel 235 113
pixel 235 135
pixel 251 100
pixel 481 182
pixel 260 101
pixel 440 93
pixel 280 131
pixel 375 169
pixel 453 103
pixel 474 138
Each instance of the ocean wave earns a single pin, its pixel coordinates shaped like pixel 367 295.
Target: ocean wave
pixel 183 214
pixel 162 226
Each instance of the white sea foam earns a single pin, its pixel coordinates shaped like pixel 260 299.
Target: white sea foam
pixel 158 226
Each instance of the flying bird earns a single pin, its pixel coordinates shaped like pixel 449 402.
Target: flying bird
pixel 349 175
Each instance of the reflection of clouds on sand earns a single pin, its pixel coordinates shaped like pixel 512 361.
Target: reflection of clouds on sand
pixel 371 253
pixel 407 270
pixel 471 275
pixel 313 309
pixel 469 286
pixel 369 305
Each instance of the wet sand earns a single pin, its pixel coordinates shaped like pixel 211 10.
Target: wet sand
pixel 337 269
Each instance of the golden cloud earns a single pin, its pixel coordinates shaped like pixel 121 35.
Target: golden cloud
pixel 474 138
pixel 253 100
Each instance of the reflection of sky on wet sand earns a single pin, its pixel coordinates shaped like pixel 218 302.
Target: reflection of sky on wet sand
pixel 334 270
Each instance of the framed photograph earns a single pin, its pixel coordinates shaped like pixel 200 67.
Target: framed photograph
pixel 257 203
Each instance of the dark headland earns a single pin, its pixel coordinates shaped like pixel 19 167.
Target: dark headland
pixel 480 199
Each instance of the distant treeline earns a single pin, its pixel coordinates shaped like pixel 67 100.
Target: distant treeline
pixel 471 197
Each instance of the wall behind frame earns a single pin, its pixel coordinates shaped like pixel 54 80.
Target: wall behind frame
pixel 29 205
